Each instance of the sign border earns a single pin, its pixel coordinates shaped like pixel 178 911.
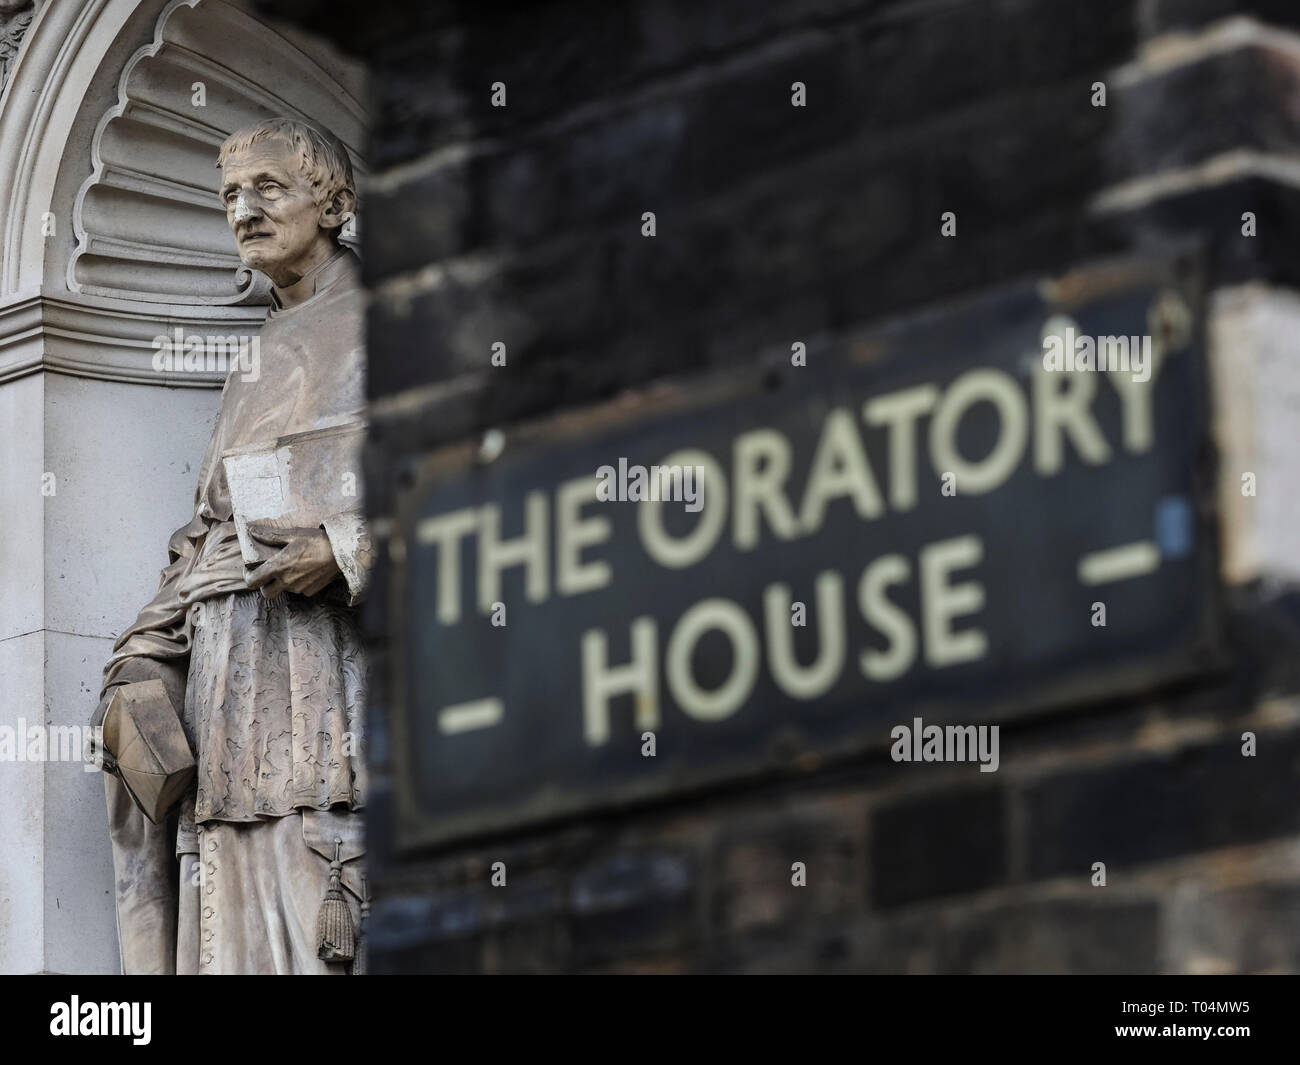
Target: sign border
pixel 412 831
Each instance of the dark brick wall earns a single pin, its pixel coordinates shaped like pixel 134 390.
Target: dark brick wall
pixel 522 224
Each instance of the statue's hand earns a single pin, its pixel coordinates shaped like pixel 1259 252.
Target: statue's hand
pixel 304 564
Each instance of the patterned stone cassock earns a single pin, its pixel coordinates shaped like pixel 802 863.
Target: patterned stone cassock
pixel 272 690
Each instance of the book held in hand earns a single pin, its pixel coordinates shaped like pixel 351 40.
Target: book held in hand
pixel 293 482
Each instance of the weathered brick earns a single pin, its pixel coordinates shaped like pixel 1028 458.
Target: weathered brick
pixel 1165 16
pixel 1055 936
pixel 553 58
pixel 1154 807
pixel 753 888
pixel 560 57
pixel 713 139
pixel 934 845
pixel 632 903
pixel 526 931
pixel 904 943
pixel 437 933
pixel 1252 929
pixel 1231 101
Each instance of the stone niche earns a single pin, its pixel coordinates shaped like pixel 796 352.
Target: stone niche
pixel 110 236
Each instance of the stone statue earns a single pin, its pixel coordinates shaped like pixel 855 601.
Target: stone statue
pixel 264 665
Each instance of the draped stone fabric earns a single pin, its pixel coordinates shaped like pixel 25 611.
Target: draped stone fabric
pixel 274 701
pixel 272 691
pixel 252 906
pixel 310 376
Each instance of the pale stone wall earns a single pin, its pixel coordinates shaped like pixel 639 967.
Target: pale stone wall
pixel 80 563
pixel 22 654
pixel 1256 389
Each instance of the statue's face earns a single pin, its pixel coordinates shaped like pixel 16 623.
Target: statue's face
pixel 270 209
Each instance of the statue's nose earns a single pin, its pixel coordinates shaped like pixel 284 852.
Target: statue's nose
pixel 244 208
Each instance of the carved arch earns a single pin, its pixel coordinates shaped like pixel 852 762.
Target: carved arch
pixel 147 222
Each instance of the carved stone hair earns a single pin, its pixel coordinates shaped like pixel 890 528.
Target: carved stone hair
pixel 323 160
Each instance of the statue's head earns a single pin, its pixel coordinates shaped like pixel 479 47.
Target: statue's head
pixel 288 190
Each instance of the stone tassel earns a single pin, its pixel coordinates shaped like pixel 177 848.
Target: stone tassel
pixel 336 938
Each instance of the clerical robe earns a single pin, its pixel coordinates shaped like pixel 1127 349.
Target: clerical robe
pixel 270 692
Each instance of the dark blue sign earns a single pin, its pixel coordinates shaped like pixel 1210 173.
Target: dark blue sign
pixel 982 513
